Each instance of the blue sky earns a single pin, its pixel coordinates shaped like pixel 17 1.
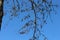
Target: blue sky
pixel 10 28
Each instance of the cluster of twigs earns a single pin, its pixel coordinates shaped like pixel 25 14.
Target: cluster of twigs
pixel 42 7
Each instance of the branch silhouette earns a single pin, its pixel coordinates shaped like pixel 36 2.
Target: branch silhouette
pixel 42 9
pixel 1 12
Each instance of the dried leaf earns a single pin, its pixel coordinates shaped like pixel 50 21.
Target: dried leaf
pixel 24 32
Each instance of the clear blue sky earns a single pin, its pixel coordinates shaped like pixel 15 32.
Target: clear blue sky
pixel 10 27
